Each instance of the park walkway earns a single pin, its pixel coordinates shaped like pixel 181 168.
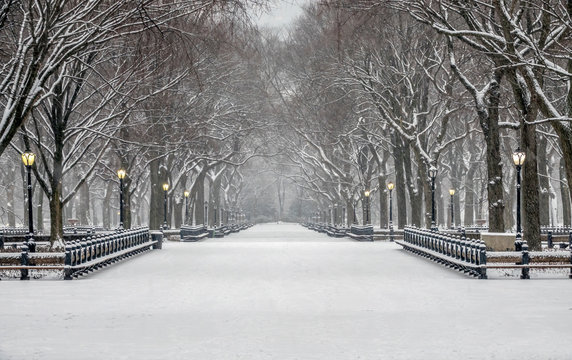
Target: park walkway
pixel 280 291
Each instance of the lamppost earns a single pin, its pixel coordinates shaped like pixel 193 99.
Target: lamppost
pixel 390 187
pixel 432 175
pixel 121 175
pixel 366 193
pixel 186 194
pixel 165 189
pixel 518 158
pixel 28 158
pixel 452 193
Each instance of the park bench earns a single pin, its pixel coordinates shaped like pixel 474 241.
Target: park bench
pixel 361 232
pixel 193 233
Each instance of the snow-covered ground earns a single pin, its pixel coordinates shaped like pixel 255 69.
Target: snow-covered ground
pixel 284 292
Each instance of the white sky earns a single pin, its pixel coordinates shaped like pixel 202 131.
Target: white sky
pixel 282 13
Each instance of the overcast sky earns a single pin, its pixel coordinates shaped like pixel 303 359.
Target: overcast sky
pixel 282 13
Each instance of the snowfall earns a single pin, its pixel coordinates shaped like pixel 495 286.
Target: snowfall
pixel 281 291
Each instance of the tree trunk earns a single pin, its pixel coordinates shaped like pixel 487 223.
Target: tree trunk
pixel 68 208
pixel 424 184
pixel 83 206
pixel 440 203
pixel 383 202
pixel 469 218
pixel 200 199
pixel 400 189
pixel 56 214
pixel 530 197
pixel 565 194
pixel 509 214
pixel 528 106
pixel 212 202
pixel 178 211
pixel 157 177
pixel 10 204
pixel 459 171
pixel 94 215
pixel 349 213
pixel 543 181
pixel 40 211
pixel 191 214
pixel 495 190
pixel 216 186
pixel 415 188
pixel 106 212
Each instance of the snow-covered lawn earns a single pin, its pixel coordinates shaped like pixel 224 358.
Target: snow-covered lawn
pixel 284 292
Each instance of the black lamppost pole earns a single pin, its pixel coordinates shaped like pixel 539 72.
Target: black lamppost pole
pixel 390 187
pixel 28 158
pixel 433 174
pixel 186 194
pixel 121 175
pixel 518 158
pixel 165 189
pixel 452 193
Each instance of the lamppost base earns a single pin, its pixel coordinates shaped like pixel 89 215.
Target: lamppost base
pixel 518 244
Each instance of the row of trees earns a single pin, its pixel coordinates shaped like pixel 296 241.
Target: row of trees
pixel 154 87
pixel 383 90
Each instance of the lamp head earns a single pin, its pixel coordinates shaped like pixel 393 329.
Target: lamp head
pixel 121 173
pixel 432 171
pixel 390 186
pixel 28 158
pixel 518 157
pixel 165 187
pixel 366 193
pixel 186 193
pixel 451 192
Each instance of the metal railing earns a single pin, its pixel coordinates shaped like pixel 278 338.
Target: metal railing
pixel 467 255
pixel 555 230
pixel 88 254
pixel 471 256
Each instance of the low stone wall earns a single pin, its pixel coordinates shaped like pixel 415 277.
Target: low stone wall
pixel 505 241
pixel 498 241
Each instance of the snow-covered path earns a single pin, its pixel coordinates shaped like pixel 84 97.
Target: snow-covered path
pixel 283 292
